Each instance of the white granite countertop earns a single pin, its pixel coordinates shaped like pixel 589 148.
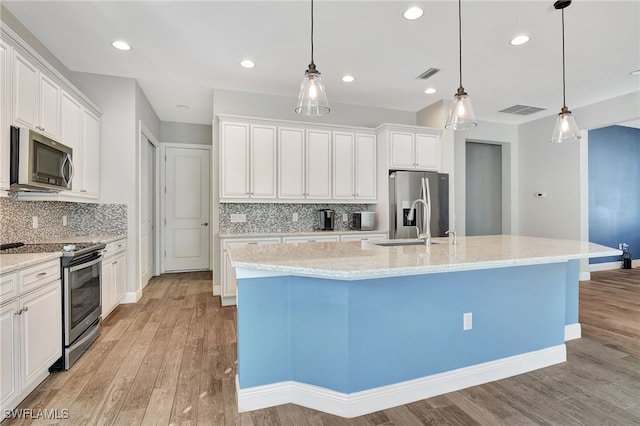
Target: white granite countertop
pixel 355 260
pixel 295 234
pixel 13 262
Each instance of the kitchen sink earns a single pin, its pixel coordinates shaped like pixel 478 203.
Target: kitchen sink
pixel 397 243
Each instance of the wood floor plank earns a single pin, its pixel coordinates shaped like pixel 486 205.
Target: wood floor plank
pixel 171 359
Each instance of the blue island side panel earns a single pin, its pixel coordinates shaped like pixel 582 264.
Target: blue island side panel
pixel 350 336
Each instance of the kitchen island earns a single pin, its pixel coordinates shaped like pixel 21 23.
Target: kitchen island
pixel 353 328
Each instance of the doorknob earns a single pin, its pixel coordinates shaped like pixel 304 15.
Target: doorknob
pixel 205 224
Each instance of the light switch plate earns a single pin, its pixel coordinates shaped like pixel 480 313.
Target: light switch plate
pixel 34 223
pixel 64 220
pixel 238 218
pixel 345 217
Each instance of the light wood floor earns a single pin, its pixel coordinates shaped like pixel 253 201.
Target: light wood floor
pixel 170 359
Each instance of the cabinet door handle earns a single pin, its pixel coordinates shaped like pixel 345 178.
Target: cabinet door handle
pixel 25 309
pixel 18 312
pixel 205 224
pixel 41 274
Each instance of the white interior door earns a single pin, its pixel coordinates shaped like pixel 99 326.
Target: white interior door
pixel 187 177
pixel 147 213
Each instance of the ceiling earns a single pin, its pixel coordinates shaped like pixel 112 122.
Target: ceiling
pixel 181 50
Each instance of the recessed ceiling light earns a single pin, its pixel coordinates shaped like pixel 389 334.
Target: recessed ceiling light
pixel 348 78
pixel 121 45
pixel 636 72
pixel 518 40
pixel 413 13
pixel 247 63
pixel 430 91
pixel 182 107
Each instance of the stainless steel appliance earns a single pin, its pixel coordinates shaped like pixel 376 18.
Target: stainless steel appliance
pixel 81 272
pixel 326 218
pixel 363 221
pixel 38 163
pixel 404 188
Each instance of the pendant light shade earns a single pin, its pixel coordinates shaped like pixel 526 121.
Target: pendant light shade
pixel 461 116
pixel 312 99
pixel 566 129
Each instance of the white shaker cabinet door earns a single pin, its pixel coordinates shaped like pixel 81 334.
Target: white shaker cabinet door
pixel 402 150
pixel 41 332
pixel 234 160
pixel 9 355
pixel 25 85
pixel 343 166
pixel 71 134
pixel 263 161
pixel 318 161
pixel 91 154
pixel 5 107
pixel 428 152
pixel 291 163
pixel 365 165
pixel 50 94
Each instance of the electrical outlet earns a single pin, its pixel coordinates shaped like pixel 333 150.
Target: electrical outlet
pixel 64 220
pixel 34 223
pixel 467 320
pixel 345 217
pixel 238 218
pixel 295 217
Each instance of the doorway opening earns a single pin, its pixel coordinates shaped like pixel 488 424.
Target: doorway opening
pixel 483 194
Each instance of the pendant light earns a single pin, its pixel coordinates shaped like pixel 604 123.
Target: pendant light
pixel 312 99
pixel 461 115
pixel 566 129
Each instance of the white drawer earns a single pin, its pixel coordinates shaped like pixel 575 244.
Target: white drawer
pixel 362 237
pixel 39 275
pixel 249 241
pixel 8 286
pixel 314 239
pixel 114 247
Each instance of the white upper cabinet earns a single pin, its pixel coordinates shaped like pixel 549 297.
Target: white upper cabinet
pixel 5 108
pixel 318 162
pixel 247 161
pixel 354 166
pixel 234 160
pixel 304 164
pixel 36 98
pixel 262 169
pixel 414 150
pixel 291 163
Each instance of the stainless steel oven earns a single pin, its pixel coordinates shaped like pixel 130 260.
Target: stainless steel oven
pixel 81 304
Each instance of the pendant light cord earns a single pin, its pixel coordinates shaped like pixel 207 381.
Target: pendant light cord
pixel 312 31
pixel 460 36
pixel 564 100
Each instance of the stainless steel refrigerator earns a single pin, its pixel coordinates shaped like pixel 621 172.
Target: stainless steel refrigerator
pixel 404 188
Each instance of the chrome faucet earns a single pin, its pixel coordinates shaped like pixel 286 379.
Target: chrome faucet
pixel 426 236
pixel 455 239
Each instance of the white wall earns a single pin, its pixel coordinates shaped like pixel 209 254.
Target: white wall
pixel 187 133
pixel 561 172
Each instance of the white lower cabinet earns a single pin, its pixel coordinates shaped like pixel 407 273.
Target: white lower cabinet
pixel 362 237
pixel 30 335
pixel 312 239
pixel 114 275
pixel 229 284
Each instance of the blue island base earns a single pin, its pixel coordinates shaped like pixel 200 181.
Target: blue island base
pixel 355 347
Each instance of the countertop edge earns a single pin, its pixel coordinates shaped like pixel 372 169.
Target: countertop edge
pixel 21 261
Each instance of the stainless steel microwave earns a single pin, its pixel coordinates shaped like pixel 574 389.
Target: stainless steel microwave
pixel 38 163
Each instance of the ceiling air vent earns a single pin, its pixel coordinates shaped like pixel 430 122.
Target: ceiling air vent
pixel 428 73
pixel 522 110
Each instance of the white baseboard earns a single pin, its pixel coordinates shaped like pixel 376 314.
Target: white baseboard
pixel 585 276
pixel 217 290
pixel 376 399
pixel 572 332
pixel 607 266
pixel 131 297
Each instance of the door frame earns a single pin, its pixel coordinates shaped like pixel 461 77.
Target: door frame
pixel 163 198
pixel 144 135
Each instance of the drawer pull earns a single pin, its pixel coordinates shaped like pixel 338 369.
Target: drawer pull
pixel 252 243
pixel 25 309
pixel 41 274
pixel 119 245
pixel 18 312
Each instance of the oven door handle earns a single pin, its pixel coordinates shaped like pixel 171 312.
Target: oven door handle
pixel 85 265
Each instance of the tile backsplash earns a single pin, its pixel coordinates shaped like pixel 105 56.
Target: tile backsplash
pixel 276 217
pixel 16 220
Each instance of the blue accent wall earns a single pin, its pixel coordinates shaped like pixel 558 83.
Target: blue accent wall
pixel 614 189
pixel 350 336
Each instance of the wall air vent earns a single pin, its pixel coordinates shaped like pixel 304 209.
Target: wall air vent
pixel 428 73
pixel 522 110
